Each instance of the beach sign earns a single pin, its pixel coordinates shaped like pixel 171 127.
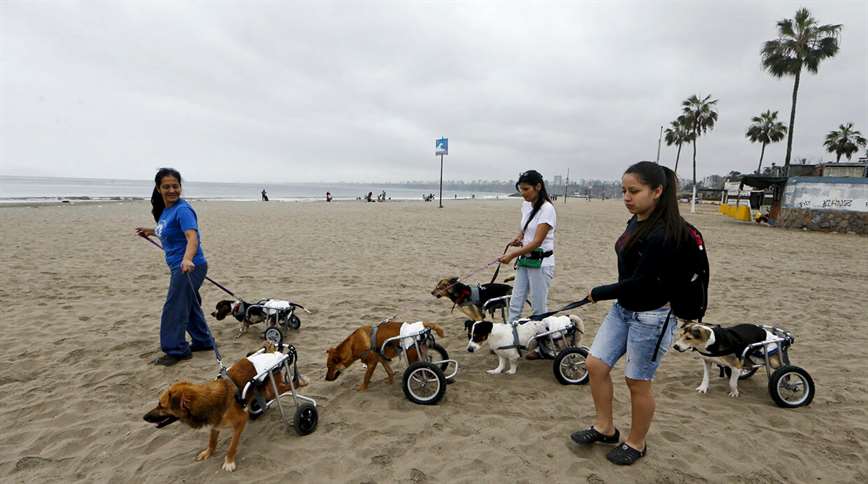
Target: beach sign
pixel 441 146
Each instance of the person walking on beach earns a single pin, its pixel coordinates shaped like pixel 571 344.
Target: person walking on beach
pixel 535 244
pixel 634 325
pixel 264 195
pixel 178 230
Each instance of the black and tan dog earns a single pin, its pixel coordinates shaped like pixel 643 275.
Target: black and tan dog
pixel 724 347
pixel 215 404
pixel 471 301
pixel 358 346
pixel 247 314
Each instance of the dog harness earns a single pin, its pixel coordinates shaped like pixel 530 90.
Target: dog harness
pixel 516 344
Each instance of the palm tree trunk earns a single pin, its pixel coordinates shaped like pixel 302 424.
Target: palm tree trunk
pixel 677 156
pixel 839 158
pixel 762 153
pixel 693 200
pixel 792 122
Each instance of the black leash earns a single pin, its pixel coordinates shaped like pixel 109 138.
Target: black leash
pixel 497 271
pixel 212 281
pixel 572 305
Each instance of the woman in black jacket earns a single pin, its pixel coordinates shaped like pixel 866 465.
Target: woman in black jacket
pixel 641 314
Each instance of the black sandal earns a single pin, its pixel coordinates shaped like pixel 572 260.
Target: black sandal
pixel 591 435
pixel 624 455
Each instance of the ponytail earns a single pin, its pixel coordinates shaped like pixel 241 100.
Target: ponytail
pixel 157 203
pixel 533 177
pixel 665 211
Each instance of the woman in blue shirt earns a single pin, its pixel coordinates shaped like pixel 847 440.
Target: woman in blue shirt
pixel 178 230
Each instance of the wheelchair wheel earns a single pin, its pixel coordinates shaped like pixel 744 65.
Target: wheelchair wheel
pixel 791 387
pixel 745 372
pixel 439 353
pixel 254 410
pixel 294 322
pixel 305 419
pixel 274 335
pixel 423 383
pixel 570 366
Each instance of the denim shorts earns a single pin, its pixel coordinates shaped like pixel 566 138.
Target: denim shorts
pixel 636 334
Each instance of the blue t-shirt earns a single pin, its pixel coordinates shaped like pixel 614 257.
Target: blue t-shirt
pixel 174 221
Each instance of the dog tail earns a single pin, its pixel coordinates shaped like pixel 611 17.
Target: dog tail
pixel 436 328
pixel 580 326
pixel 509 279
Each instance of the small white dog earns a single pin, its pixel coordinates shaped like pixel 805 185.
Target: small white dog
pixel 505 342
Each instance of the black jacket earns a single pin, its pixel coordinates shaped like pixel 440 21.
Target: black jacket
pixel 642 270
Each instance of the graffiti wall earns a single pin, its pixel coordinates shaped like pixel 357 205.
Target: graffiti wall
pixel 827 193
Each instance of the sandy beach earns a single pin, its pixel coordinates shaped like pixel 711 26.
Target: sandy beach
pixel 82 297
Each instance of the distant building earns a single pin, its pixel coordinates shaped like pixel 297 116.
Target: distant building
pixel 847 170
pixel 559 180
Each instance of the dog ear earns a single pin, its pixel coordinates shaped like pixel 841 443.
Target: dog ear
pixel 696 332
pixel 186 400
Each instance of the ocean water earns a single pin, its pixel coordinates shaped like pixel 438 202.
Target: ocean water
pixel 16 189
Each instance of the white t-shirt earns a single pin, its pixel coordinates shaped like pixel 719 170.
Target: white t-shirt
pixel 545 215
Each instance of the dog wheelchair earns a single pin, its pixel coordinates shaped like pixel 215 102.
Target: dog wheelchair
pixel 497 303
pixel 280 317
pixel 424 381
pixel 569 366
pixel 285 360
pixel 789 386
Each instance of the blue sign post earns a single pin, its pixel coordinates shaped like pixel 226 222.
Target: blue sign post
pixel 441 147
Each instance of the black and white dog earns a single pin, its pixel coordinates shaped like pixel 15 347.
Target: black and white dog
pixel 246 313
pixel 474 301
pixel 509 340
pixel 724 347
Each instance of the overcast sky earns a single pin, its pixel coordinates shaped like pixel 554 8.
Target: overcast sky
pixel 358 91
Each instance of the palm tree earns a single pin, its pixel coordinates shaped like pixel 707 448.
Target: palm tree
pixel 800 43
pixel 698 116
pixel 844 141
pixel 765 129
pixel 677 134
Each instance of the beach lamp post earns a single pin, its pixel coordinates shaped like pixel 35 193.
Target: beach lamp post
pixel 441 147
pixel 658 144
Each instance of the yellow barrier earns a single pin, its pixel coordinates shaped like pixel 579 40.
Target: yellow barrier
pixel 741 212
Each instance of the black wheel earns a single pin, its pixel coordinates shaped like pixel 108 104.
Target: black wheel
pixel 570 366
pixel 305 419
pixel 423 383
pixel 745 372
pixel 254 410
pixel 791 387
pixel 293 322
pixel 273 334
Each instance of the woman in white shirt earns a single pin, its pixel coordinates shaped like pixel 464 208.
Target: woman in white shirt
pixel 536 244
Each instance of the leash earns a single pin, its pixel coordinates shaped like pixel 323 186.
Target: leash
pixel 212 281
pixel 497 271
pixel 572 305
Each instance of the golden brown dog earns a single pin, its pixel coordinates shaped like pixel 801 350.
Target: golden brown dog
pixel 214 404
pixel 357 346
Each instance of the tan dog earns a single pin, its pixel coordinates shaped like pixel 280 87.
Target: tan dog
pixel 214 404
pixel 357 346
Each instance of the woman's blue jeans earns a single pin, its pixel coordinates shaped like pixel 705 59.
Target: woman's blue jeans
pixel 183 313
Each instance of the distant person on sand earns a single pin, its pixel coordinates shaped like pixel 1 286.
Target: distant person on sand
pixel 535 268
pixel 328 196
pixel 264 195
pixel 178 230
pixel 641 317
pixel 369 197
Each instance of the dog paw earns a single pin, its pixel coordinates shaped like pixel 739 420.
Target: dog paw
pixel 510 372
pixel 229 466
pixel 362 388
pixel 204 454
pixel 702 389
pixel 734 394
pixel 493 372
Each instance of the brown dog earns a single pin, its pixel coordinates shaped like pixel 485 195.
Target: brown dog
pixel 214 404
pixel 357 346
